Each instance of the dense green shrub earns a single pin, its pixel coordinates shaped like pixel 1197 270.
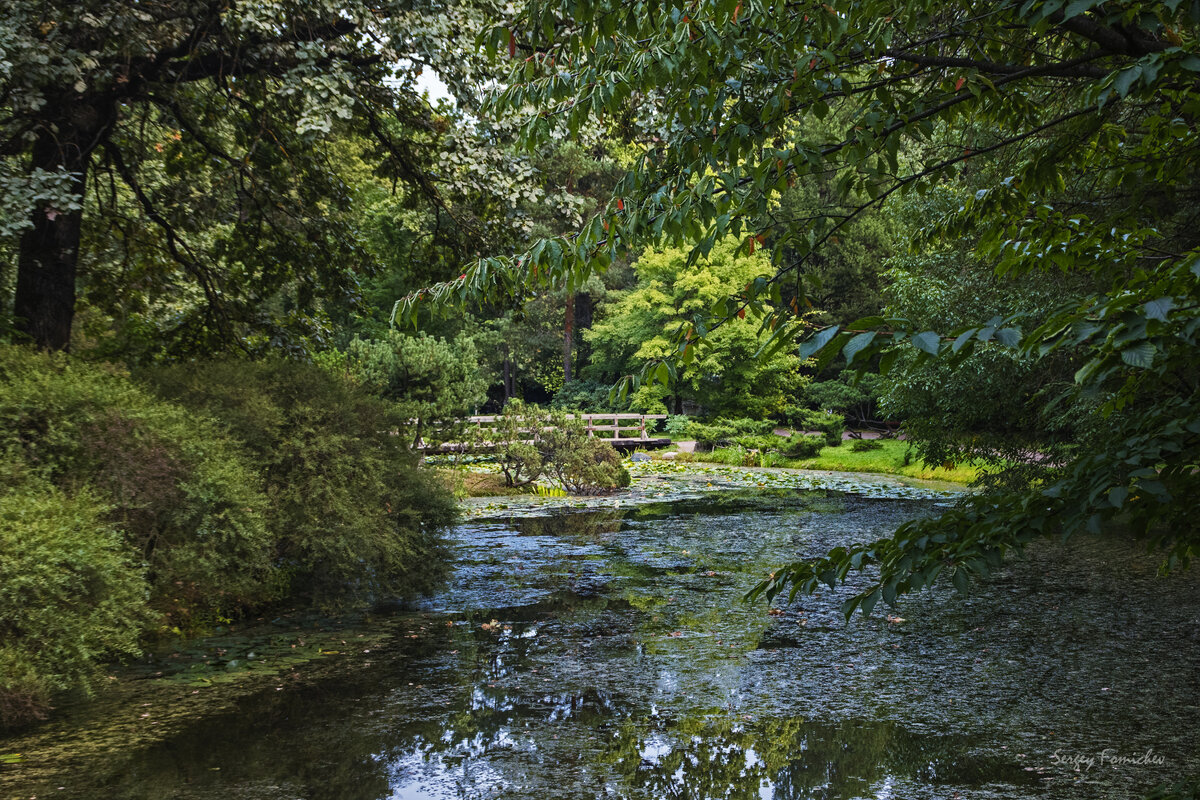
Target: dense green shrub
pixel 804 445
pixel 115 502
pixel 580 463
pixel 516 437
pixel 711 435
pixel 352 517
pixel 851 394
pixel 808 420
pixel 717 432
pixel 865 445
pixel 69 594
pixel 530 443
pixel 433 382
pixel 678 426
pixel 764 442
pixel 181 493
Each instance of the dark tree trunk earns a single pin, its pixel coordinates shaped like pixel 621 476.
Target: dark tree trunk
pixel 568 338
pixel 48 253
pixel 508 376
pixel 585 311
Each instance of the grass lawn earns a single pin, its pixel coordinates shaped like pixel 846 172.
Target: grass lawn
pixel 890 460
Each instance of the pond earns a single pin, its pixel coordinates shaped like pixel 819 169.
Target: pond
pixel 605 652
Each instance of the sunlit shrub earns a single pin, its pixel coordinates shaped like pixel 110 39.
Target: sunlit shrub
pixel 804 445
pixel 530 442
pixel 583 464
pixel 829 425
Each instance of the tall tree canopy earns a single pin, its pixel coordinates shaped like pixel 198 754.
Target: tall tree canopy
pixel 195 133
pixel 1074 123
pixel 724 377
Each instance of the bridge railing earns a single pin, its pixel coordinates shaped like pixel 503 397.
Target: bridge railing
pixel 619 427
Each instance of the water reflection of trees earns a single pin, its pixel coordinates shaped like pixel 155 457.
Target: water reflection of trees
pixel 787 759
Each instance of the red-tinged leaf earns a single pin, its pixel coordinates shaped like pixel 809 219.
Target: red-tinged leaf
pixel 512 45
pixel 812 64
pixel 959 84
pixel 741 313
pixel 751 243
pixel 737 10
pixel 462 277
pixel 620 204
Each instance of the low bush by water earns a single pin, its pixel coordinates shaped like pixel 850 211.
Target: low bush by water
pixel 127 510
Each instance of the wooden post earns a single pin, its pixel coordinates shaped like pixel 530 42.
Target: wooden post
pixel 643 428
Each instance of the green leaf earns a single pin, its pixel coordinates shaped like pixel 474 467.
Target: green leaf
pixel 817 341
pixel 1077 7
pixel 1124 80
pixel 1117 495
pixel 928 341
pixel 960 580
pixel 868 602
pixel 1009 337
pixel 1157 309
pixel 1140 355
pixel 962 339
pixel 867 322
pixel 857 345
pixel 888 360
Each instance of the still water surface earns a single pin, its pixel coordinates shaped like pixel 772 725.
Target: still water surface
pixel 606 653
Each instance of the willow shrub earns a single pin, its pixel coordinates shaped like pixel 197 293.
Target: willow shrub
pixel 352 519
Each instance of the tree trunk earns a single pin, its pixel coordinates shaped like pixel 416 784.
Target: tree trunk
pixel 568 338
pixel 48 253
pixel 585 308
pixel 508 386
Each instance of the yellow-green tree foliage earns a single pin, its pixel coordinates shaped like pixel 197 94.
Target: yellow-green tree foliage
pixel 724 377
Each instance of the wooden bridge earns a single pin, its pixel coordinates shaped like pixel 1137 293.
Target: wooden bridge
pixel 622 431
